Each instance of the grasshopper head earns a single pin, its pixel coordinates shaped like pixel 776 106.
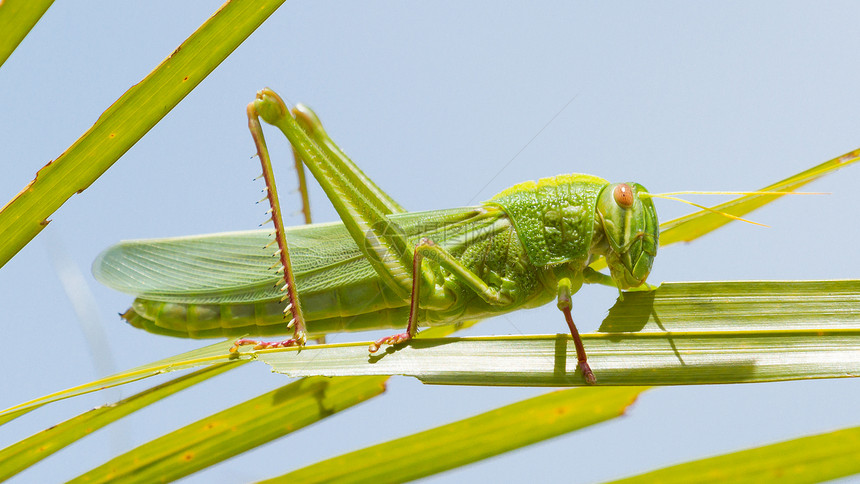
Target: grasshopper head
pixel 631 232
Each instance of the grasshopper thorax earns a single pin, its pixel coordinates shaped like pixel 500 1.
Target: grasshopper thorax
pixel 630 232
pixel 570 219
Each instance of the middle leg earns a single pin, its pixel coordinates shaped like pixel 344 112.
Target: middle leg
pixel 427 248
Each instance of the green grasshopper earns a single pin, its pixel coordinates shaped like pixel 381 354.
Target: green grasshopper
pixel 382 266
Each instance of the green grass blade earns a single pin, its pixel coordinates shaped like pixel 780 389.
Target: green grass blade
pixel 816 458
pixel 237 429
pixel 27 452
pixel 216 353
pixel 677 359
pixel 472 439
pixel 689 227
pixel 17 17
pixel 697 224
pixel 683 333
pixel 207 355
pixel 127 120
pixel 738 306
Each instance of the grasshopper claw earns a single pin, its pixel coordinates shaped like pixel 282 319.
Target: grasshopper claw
pixel 389 340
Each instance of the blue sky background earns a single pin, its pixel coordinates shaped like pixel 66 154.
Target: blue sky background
pixel 442 105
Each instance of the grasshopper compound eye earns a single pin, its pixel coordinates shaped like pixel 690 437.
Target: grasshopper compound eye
pixel 623 195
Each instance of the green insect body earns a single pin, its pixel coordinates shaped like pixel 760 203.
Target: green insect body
pixel 520 241
pixel 381 266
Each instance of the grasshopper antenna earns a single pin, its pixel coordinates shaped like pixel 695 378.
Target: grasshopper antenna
pixel 671 196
